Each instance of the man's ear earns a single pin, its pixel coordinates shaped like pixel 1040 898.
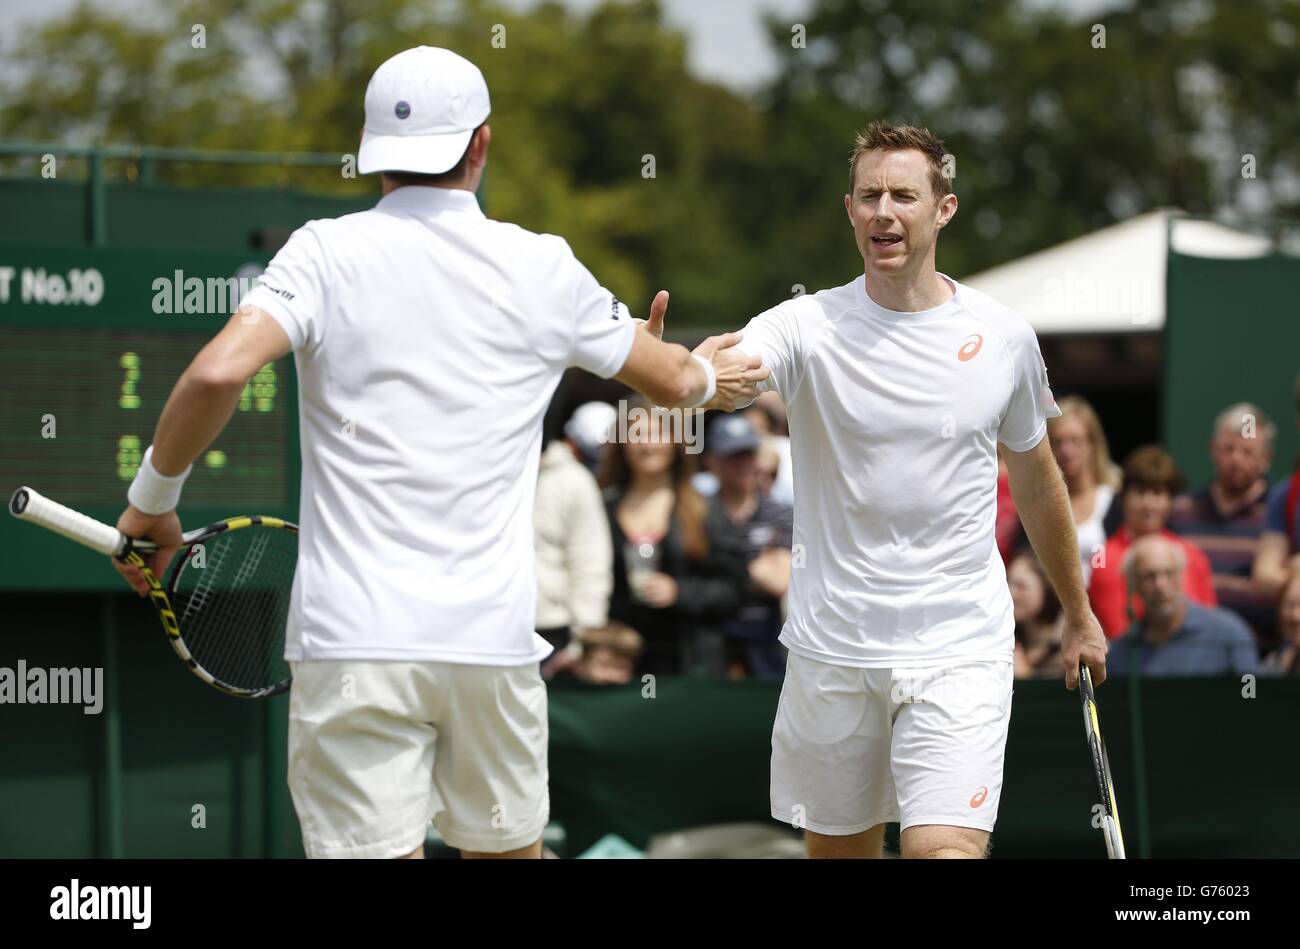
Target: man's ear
pixel 479 144
pixel 948 204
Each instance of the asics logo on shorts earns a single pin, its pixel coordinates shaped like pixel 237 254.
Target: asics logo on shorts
pixel 979 797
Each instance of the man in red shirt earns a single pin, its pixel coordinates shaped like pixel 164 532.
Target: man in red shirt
pixel 1151 481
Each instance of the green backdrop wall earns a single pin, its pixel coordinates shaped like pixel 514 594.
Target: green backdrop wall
pixel 1232 334
pixel 1215 776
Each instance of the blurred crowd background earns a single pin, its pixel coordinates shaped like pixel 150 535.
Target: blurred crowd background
pixel 1064 117
pixel 651 562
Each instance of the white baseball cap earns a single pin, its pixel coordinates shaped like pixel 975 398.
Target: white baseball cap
pixel 422 107
pixel 591 426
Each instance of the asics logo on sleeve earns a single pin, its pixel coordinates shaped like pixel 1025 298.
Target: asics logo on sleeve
pixel 979 797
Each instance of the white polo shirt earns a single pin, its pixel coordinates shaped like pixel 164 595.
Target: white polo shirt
pixel 894 425
pixel 428 341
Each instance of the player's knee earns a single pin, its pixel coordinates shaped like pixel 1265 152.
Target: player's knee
pixel 869 844
pixel 939 843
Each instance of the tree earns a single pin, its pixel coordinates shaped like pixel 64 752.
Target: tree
pixel 578 104
pixel 1057 128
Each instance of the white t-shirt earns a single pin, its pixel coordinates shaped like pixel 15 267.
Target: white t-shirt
pixel 428 341
pixel 894 424
pixel 1092 531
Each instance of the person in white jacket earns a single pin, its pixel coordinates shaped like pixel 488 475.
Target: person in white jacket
pixel 575 558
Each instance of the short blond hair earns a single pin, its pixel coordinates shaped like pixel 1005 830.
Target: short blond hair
pixel 900 138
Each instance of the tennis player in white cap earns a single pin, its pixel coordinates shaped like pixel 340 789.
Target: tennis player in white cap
pixel 428 340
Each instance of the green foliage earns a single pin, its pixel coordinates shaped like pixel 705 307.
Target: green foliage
pixel 1052 136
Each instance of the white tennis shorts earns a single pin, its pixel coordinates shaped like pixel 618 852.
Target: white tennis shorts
pixel 378 749
pixel 853 748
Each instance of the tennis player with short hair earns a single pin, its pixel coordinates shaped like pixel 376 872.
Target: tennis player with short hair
pixel 900 385
pixel 428 341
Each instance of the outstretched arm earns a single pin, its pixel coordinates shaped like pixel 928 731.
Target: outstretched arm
pixel 671 376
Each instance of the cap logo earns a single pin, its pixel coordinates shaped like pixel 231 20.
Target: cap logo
pixel 402 110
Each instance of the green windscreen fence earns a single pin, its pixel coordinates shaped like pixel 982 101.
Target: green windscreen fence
pixel 166 766
pixel 164 214
pixel 1232 334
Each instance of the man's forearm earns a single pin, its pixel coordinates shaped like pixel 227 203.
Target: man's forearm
pixel 195 413
pixel 692 383
pixel 1044 509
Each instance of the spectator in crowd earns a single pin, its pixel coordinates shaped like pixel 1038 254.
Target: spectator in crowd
pixel 1279 545
pixel 604 656
pixel 1226 517
pixel 1285 659
pixel 587 431
pixel 575 559
pixel 1151 480
pixel 768 416
pixel 767 464
pixel 1006 529
pixel 763 529
pixel 1039 618
pixel 673 580
pixel 1176 637
pixel 1079 444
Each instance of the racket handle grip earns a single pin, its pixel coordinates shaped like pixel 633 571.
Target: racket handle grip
pixel 29 505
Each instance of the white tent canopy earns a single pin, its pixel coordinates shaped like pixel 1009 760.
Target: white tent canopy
pixel 1110 281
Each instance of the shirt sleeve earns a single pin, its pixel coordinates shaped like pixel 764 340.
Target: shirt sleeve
pixel 589 553
pixel 774 337
pixel 1244 653
pixel 603 327
pixel 1107 592
pixel 1200 576
pixel 1025 421
pixel 292 290
pixel 1275 514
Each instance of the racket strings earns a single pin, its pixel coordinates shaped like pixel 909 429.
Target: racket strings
pixel 235 606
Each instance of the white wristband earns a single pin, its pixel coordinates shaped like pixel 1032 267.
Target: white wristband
pixel 711 386
pixel 154 493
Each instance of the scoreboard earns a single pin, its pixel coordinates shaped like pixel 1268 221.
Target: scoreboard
pixel 92 340
pixel 80 405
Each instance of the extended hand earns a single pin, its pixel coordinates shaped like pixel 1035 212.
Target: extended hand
pixel 658 308
pixel 164 530
pixel 1083 641
pixel 738 374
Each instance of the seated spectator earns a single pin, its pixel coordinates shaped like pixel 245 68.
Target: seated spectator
pixel 1151 479
pixel 1176 637
pixel 1079 445
pixel 673 580
pixel 604 656
pixel 1279 544
pixel 1226 517
pixel 763 529
pixel 768 415
pixel 1039 618
pixel 1007 529
pixel 575 559
pixel 587 431
pixel 767 463
pixel 1285 659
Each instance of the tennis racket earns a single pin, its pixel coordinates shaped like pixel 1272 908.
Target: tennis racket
pixel 1100 767
pixel 226 601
